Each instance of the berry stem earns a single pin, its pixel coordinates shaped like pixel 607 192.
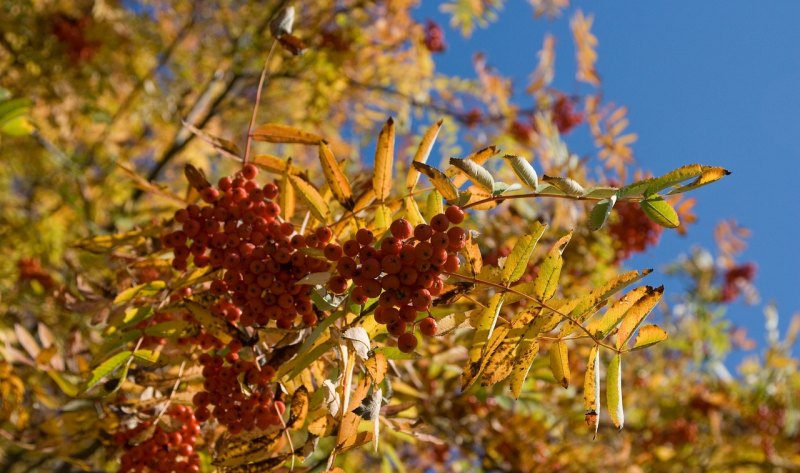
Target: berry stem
pixel 264 73
pixel 535 301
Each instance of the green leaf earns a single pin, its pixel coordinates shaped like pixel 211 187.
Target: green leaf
pixel 636 314
pixel 602 192
pixel 614 392
pixel 107 367
pixel 120 339
pixel 523 170
pixel 433 205
pixel 659 211
pixel 517 261
pixel 649 335
pixel 600 212
pixel 546 282
pixel 172 329
pixel 149 356
pixel 673 177
pixel 144 290
pixel 565 185
pixel 476 173
pixel 394 353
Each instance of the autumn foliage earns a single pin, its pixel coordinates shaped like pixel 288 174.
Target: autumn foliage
pixel 260 237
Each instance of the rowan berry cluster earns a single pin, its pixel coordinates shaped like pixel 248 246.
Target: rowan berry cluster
pixel 632 231
pixel 404 271
pixel 564 115
pixel 163 451
pixel 241 233
pixel 434 37
pixel 734 278
pixel 224 399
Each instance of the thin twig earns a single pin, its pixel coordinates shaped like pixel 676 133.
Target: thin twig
pixel 535 301
pixel 264 73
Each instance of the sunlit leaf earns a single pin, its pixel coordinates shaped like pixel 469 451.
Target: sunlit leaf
pixel 659 211
pixel 637 313
pixel 148 289
pixel 276 133
pixel 649 335
pixel 591 390
pixel 476 173
pixel 614 392
pixel 517 262
pixel 336 179
pixel 546 282
pixel 524 171
pixel 602 326
pixel 107 367
pixel 559 363
pixel 384 162
pixel 710 174
pixel 422 154
pixel 439 181
pixel 311 196
pixel 565 184
pixel 527 352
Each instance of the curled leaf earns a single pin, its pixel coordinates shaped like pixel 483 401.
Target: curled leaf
pixel 422 154
pixel 614 392
pixel 524 171
pixel 384 161
pixel 476 173
pixel 439 180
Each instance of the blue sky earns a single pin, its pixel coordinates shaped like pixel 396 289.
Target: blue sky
pixel 714 82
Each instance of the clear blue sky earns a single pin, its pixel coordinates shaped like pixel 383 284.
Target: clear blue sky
pixel 715 82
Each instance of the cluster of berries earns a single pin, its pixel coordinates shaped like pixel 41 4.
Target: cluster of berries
pixel 163 452
pixel 223 398
pixel 564 115
pixel 434 37
pixel 241 233
pixel 404 271
pixel 735 278
pixel 632 231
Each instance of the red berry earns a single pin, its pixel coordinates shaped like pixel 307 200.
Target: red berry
pixel 249 171
pixel 428 326
pixel 337 285
pixel 351 248
pixel 407 342
pixel 324 234
pixel 455 214
pixel 423 232
pixel 364 236
pixel 333 252
pixel 401 229
pixel 440 222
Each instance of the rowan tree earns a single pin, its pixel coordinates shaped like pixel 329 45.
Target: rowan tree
pixel 272 236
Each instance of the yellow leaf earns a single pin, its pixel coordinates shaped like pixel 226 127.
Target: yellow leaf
pixel 376 366
pixel 544 72
pixel 212 324
pixel 517 262
pixel 383 218
pixel 559 363
pixel 312 197
pixel 526 353
pixel 585 44
pixel 546 282
pixel 649 335
pixel 614 392
pixel 422 154
pixel 275 133
pixel 439 180
pixel 384 162
pixel 636 314
pixel 298 409
pixel 591 390
pixel 477 194
pixel 271 163
pixel 433 205
pixel 475 172
pixel 602 326
pixel 413 213
pixel 336 179
pixel 288 200
pixel 483 332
